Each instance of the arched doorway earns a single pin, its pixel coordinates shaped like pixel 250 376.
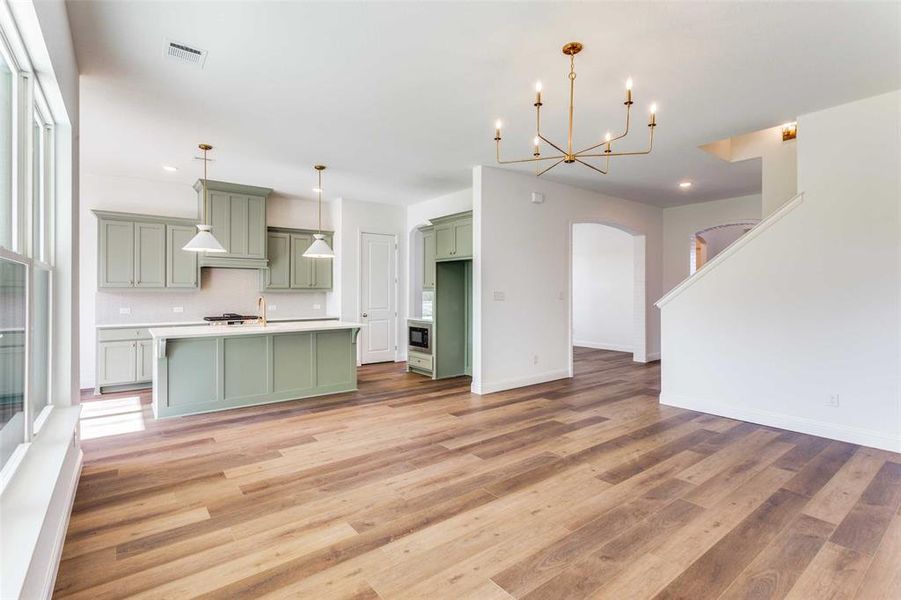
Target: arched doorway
pixel 607 289
pixel 707 243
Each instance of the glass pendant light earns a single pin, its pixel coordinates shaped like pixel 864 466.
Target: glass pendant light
pixel 203 240
pixel 319 248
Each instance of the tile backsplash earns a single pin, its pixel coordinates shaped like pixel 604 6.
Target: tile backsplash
pixel 221 290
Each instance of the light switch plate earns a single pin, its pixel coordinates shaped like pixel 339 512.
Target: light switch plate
pixel 124 310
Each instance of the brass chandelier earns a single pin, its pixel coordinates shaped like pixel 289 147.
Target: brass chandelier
pixel 569 155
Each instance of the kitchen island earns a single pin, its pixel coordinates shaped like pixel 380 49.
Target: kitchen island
pixel 209 368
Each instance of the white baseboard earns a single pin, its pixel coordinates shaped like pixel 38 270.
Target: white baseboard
pixel 604 346
pixel 843 433
pixel 509 384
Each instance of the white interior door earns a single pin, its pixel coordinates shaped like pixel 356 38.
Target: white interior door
pixel 378 308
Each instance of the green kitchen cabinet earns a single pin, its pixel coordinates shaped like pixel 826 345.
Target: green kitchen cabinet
pixel 278 251
pixel 453 237
pixel 428 258
pixel 144 360
pixel 322 270
pixel 117 363
pixel 116 268
pixel 150 255
pixel 463 238
pixel 301 266
pixel 289 269
pixel 204 374
pixel 237 215
pixel 144 252
pixel 182 268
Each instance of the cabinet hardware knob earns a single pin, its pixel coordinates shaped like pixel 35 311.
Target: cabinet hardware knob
pixel 365 315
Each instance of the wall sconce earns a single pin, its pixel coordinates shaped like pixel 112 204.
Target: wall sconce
pixel 789 131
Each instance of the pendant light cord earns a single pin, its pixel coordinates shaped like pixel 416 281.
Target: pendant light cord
pixel 320 201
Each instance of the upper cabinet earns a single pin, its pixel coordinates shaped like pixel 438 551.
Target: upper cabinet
pixel 453 237
pixel 144 252
pixel 428 258
pixel 237 214
pixel 289 269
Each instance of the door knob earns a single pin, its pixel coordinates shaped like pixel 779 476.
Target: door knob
pixel 365 315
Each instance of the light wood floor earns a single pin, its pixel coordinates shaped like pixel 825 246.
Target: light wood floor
pixel 582 488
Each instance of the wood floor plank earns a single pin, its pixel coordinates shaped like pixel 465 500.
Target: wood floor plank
pixel 835 573
pixel 413 488
pixel 778 566
pixel 717 568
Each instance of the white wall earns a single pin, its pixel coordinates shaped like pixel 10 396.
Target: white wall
pixel 680 223
pixel 417 215
pixel 764 339
pixel 603 280
pixel 233 290
pixel 369 217
pixel 778 164
pixel 522 254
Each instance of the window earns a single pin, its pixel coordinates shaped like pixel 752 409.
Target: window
pixel 13 275
pixel 6 154
pixel 26 257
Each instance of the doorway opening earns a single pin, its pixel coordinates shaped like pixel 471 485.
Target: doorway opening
pixel 707 243
pixel 607 289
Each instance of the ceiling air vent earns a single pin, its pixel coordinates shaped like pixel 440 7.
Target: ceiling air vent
pixel 184 53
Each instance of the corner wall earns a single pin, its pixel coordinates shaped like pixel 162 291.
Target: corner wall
pixel 521 273
pixel 811 343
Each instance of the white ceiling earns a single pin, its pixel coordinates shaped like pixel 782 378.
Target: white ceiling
pixel 399 100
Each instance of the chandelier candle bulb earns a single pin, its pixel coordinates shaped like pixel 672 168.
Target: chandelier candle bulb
pixel 629 91
pixel 497 130
pixel 538 93
pixel 535 142
pixel 652 122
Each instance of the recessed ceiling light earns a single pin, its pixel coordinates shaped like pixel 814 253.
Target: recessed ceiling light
pixel 685 185
pixel 170 168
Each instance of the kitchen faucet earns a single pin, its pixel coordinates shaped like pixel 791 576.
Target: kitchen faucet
pixel 261 311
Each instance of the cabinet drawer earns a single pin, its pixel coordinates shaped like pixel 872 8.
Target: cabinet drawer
pixel 420 361
pixel 123 334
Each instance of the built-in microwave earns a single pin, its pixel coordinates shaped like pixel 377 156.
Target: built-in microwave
pixel 419 337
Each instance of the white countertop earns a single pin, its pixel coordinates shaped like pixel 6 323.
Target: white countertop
pixel 232 330
pixel 196 323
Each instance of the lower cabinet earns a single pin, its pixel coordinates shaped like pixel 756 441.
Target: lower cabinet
pixel 124 358
pixel 214 373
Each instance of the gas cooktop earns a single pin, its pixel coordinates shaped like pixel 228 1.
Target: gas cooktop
pixel 229 319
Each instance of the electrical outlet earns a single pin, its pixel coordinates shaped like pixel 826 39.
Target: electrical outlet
pixel 833 400
pixel 273 307
pixel 499 296
pixel 124 310
pixel 178 309
pixel 317 306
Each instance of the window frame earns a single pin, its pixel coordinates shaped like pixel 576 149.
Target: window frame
pixel 31 191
